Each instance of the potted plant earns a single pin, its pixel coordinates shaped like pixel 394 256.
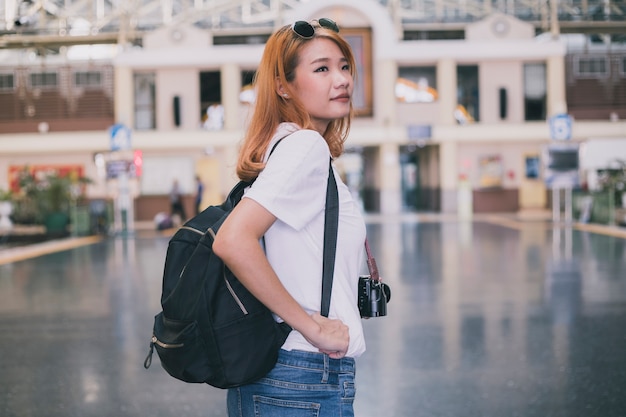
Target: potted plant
pixel 613 181
pixel 55 203
pixel 6 208
pixel 50 196
pixel 59 194
pixel 25 200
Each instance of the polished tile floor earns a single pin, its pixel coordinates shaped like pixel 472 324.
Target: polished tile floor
pixel 490 318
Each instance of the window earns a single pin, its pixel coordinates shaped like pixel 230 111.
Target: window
pixel 7 82
pixel 416 85
pixel 247 77
pixel 212 116
pixel 467 92
pixel 258 39
pixel 43 79
pixel 430 35
pixel 87 79
pixel 589 66
pixel 535 91
pixel 144 94
pixel 360 41
pixel 247 94
pixel 210 88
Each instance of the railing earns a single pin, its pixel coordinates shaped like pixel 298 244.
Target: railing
pixel 126 18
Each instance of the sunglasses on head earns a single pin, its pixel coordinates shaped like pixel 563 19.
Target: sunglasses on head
pixel 306 30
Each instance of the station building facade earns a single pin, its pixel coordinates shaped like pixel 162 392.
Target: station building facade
pixel 445 126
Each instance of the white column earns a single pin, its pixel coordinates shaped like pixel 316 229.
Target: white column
pixel 448 172
pixel 446 87
pixel 555 74
pixel 390 197
pixel 388 168
pixel 123 96
pixel 384 92
pixel 231 86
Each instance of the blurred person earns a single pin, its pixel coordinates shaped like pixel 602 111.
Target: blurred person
pixel 199 194
pixel 176 202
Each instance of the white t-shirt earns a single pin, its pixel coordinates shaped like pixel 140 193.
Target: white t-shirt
pixel 293 188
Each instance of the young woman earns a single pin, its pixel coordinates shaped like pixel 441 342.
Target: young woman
pixel 304 88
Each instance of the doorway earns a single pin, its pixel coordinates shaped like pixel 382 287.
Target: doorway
pixel 419 178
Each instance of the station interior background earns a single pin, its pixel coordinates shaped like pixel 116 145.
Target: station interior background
pixel 479 123
pixel 461 107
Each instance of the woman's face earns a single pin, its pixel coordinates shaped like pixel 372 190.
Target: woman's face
pixel 323 82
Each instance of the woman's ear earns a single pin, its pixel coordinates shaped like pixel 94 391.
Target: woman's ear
pixel 280 90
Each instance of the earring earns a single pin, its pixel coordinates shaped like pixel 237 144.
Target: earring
pixel 286 95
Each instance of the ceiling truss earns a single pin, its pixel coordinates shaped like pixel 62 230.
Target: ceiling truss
pixel 26 22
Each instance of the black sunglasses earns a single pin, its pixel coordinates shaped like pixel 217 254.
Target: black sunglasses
pixel 306 30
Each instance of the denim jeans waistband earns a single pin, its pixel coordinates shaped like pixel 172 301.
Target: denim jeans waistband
pixel 315 360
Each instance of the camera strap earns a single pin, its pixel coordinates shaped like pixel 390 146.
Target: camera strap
pixel 371 263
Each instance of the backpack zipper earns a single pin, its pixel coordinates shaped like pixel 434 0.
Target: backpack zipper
pixel 166 345
pixel 230 288
pixel 192 229
pixel 232 293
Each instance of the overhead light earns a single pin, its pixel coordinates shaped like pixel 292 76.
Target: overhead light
pixel 22 21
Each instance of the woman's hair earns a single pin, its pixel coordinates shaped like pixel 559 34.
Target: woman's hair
pixel 278 64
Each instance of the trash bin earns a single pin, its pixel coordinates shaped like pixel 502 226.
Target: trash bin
pixel 99 218
pixel 80 221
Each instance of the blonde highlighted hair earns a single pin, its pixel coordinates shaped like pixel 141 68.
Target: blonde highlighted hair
pixel 278 64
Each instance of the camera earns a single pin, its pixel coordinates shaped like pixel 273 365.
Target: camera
pixel 373 297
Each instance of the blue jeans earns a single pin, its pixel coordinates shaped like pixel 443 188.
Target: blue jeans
pixel 301 384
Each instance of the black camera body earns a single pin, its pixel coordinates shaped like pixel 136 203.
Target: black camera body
pixel 373 297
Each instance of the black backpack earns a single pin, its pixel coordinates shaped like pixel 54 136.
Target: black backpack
pixel 212 329
pixel 209 318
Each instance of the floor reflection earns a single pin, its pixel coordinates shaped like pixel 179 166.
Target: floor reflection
pixel 497 321
pixel 487 319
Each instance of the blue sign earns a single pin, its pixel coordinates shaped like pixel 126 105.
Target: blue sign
pixel 120 137
pixel 561 127
pixel 419 131
pixel 561 165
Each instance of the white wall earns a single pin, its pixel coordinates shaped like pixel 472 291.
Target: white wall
pixel 494 75
pixel 184 83
pixel 598 153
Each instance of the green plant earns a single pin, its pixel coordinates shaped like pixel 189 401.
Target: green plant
pixel 6 195
pixel 613 181
pixel 25 199
pixel 614 177
pixel 56 194
pixel 42 195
